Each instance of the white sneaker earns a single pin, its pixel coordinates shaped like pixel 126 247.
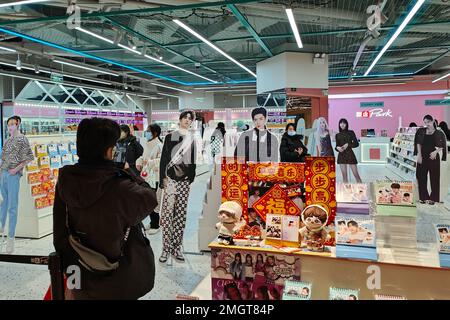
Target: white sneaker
pixel 10 246
pixel 153 231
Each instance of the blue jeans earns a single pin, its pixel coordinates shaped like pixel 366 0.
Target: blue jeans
pixel 9 186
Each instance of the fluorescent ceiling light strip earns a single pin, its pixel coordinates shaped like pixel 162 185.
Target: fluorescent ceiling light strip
pixel 84 67
pixel 224 87
pixel 94 35
pixel 364 85
pixel 139 53
pixel 167 95
pixel 168 87
pixel 440 78
pixel 386 94
pixel 232 90
pixel 128 48
pixel 87 55
pixel 18 3
pixel 408 18
pixel 7 49
pixel 179 68
pixel 294 28
pixel 64 74
pixel 200 37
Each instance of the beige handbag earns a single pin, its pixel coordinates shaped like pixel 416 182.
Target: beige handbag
pixel 92 260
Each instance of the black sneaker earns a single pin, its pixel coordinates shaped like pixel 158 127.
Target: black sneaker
pixel 164 257
pixel 179 256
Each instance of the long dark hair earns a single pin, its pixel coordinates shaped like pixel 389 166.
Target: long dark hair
pixel 444 127
pixel 293 126
pixel 430 118
pixel 221 128
pixel 125 129
pixel 343 120
pixel 155 129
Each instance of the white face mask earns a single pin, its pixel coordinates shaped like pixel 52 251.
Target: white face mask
pixel 291 133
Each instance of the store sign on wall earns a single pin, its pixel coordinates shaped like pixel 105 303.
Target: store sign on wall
pixel 374 113
pixel 438 102
pixel 378 104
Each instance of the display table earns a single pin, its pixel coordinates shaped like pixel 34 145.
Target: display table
pixel 325 271
pixel 374 150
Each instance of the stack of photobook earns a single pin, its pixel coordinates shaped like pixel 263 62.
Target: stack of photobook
pixel 355 237
pixel 352 198
pixel 395 216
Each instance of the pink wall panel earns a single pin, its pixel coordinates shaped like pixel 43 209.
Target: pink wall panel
pixel 409 108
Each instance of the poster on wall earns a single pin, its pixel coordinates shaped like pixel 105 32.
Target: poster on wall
pixel 236 272
pixel 320 186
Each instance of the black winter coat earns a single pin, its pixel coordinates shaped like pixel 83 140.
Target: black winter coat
pixel 184 169
pixel 102 202
pixel 128 150
pixel 288 146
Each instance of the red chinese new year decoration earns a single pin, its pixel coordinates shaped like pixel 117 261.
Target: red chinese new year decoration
pixel 320 185
pixel 275 201
pixel 277 172
pixel 235 183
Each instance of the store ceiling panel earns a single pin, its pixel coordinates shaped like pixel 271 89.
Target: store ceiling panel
pixel 335 27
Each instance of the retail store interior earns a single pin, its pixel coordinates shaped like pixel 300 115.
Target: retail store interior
pixel 383 66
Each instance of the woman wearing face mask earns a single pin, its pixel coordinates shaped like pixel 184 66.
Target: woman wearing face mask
pixel 428 144
pixel 148 165
pixel 176 173
pixel 323 139
pixel 345 141
pixel 292 148
pixel 128 150
pixel 218 140
pixel 15 156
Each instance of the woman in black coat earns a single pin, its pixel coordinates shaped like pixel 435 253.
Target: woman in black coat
pixel 292 148
pixel 345 141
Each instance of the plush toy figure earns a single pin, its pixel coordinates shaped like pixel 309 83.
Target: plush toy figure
pixel 229 215
pixel 314 234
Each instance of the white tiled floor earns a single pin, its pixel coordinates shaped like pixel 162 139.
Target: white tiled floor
pixel 31 282
pixel 18 281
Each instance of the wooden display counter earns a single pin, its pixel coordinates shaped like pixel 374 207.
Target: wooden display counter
pixel 325 271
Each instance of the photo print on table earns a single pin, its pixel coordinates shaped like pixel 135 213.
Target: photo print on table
pixel 443 237
pixel 394 192
pixel 296 290
pixel 343 294
pixel 355 230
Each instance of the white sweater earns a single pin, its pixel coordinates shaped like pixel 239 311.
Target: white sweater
pixel 150 161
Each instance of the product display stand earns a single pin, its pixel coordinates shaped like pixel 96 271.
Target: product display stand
pixel 402 163
pixel 207 231
pixel 444 260
pixel 324 271
pixel 33 222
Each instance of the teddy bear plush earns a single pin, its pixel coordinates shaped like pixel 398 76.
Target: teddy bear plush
pixel 229 215
pixel 314 234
